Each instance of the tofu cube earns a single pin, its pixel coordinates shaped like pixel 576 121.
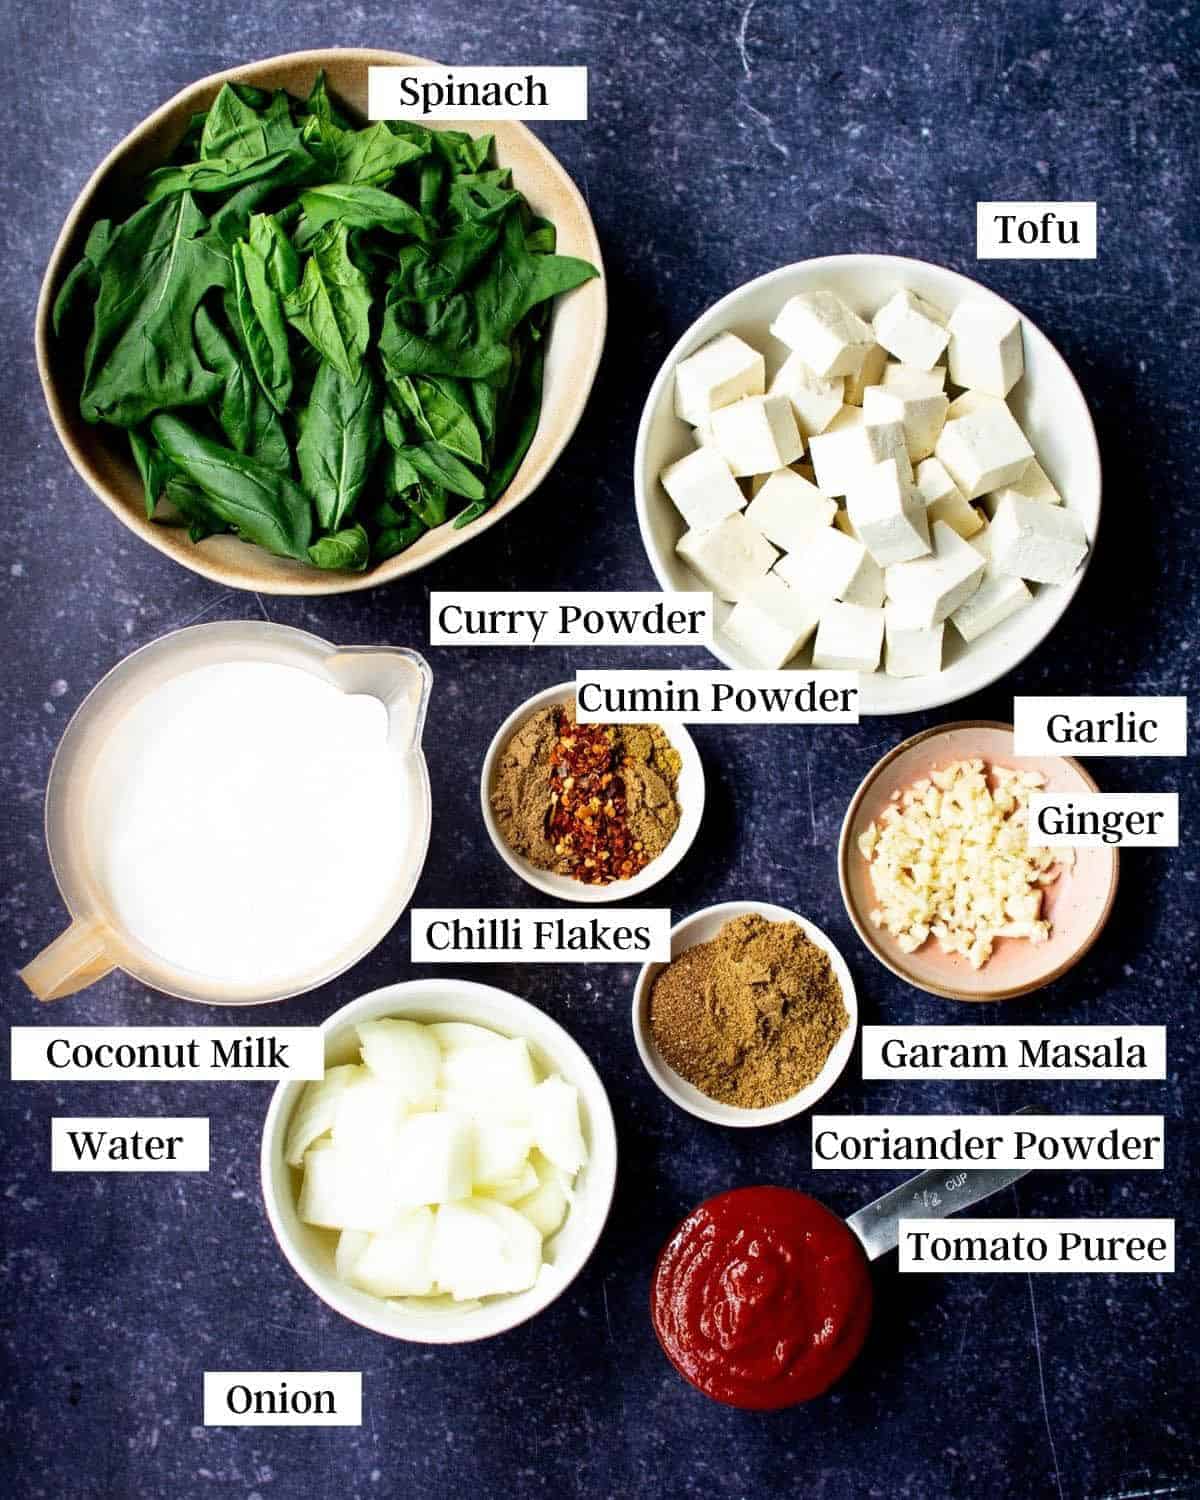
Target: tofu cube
pixel 898 377
pixel 728 557
pixel 1034 484
pixel 996 598
pixel 944 501
pixel 933 587
pixel 828 336
pixel 851 445
pixel 830 567
pixel 888 514
pixel 723 370
pixel 789 511
pixel 757 434
pixel 912 649
pixel 866 587
pixel 986 349
pixel 921 416
pixel 702 488
pixel 869 373
pixel 984 450
pixel 772 622
pixel 968 401
pixel 1032 540
pixel 912 329
pixel 816 399
pixel 849 638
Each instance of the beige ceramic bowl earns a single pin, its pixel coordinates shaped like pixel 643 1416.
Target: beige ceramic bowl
pixel 101 455
pixel 1077 904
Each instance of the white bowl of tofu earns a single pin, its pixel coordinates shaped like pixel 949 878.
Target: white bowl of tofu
pixel 390 1267
pixel 877 465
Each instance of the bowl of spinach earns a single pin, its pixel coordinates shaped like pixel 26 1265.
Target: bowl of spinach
pixel 305 354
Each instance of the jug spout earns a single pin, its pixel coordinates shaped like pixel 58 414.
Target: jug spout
pixel 401 679
pixel 76 958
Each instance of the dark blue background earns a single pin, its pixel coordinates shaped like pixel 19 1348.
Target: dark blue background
pixel 725 139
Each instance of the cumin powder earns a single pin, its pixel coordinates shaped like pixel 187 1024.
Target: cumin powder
pixel 750 1017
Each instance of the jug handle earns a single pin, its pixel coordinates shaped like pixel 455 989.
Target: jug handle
pixel 399 678
pixel 76 958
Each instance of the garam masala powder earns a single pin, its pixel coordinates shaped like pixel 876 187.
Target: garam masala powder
pixel 750 1017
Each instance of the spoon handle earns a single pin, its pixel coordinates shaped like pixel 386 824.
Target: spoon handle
pixel 935 1194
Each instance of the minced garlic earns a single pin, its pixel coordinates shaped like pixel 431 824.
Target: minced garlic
pixel 950 860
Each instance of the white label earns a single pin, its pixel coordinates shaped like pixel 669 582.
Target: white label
pixel 1091 820
pixel 427 93
pixel 155 1054
pixel 159 1143
pixel 531 619
pixel 1100 726
pixel 716 697
pixel 1035 231
pixel 283 1398
pixel 1006 1245
pixel 894 1143
pixel 489 935
pixel 996 1052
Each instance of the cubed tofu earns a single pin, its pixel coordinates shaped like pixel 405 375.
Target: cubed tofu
pixel 1034 484
pixel 829 337
pixel 888 514
pixel 869 373
pixel 702 488
pixel 816 399
pixel 728 557
pixel 944 500
pixel 986 349
pixel 1030 539
pixel 996 598
pixel 912 649
pixel 831 566
pixel 984 450
pixel 931 588
pixel 789 511
pixel 866 587
pixel 898 377
pixel 968 401
pixel 757 434
pixel 850 445
pixel 912 329
pixel 921 415
pixel 849 638
pixel 772 622
pixel 723 370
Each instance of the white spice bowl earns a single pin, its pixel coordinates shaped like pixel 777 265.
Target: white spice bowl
pixel 310 1251
pixel 1046 401
pixel 702 927
pixel 689 794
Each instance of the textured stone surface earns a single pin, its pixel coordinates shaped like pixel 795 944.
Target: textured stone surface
pixel 726 139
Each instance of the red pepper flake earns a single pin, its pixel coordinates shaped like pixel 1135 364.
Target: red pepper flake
pixel 588 813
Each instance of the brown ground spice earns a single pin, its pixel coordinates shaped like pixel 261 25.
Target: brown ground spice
pixel 750 1017
pixel 528 785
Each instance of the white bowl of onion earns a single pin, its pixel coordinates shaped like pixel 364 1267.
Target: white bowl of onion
pixel 453 1171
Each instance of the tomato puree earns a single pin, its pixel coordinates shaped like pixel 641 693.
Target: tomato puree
pixel 761 1298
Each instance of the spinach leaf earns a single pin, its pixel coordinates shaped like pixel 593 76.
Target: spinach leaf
pixel 452 344
pixel 238 131
pixel 520 434
pixel 231 222
pixel 394 539
pixel 370 157
pixel 429 502
pixel 331 306
pixel 282 263
pixel 516 280
pixel 347 551
pixel 190 502
pixel 220 176
pixel 437 405
pixel 438 466
pixel 265 506
pixel 153 466
pixel 321 105
pixel 261 324
pixel 361 208
pixel 426 272
pixel 141 356
pixel 247 418
pixel 339 437
pixel 84 275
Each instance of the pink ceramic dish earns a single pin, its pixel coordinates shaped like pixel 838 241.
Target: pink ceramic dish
pixel 1077 904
